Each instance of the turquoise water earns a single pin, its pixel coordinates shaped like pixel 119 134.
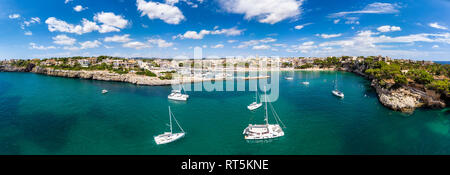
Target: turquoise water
pixel 52 115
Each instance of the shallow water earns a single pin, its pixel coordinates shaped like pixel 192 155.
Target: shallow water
pixel 53 115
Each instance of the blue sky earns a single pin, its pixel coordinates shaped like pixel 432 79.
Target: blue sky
pixel 172 28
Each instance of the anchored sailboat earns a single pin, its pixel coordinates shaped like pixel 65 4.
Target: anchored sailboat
pixel 265 131
pixel 255 105
pixel 336 92
pixel 177 95
pixel 168 137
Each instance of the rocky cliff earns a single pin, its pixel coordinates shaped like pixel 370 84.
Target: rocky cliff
pixel 405 99
pixel 94 75
pixel 103 76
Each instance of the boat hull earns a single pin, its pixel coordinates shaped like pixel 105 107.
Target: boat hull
pixel 178 97
pixel 338 94
pixel 168 138
pixel 261 132
pixel 254 106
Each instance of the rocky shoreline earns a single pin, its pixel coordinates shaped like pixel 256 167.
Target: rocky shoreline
pixel 109 76
pixel 405 99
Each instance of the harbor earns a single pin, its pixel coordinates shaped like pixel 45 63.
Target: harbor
pixel 126 119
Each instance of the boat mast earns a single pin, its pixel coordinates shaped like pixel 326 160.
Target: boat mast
pixel 170 118
pixel 335 83
pixel 265 99
pixel 256 97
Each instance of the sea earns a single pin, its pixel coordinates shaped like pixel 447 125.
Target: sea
pixel 45 115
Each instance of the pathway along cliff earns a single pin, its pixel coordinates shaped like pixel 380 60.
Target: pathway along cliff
pixel 405 98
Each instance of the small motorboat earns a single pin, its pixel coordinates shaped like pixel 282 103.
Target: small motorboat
pixel 305 83
pixel 104 91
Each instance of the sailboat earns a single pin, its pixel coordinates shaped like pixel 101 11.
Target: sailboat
pixel 168 137
pixel 289 77
pixel 177 95
pixel 336 92
pixel 265 131
pixel 255 105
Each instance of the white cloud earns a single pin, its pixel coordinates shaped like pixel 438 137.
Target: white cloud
pixel 160 42
pixel 232 41
pixel 336 21
pixel 171 2
pixel 90 44
pixel 193 34
pixel 437 26
pixel 118 38
pixel 199 35
pixel 352 20
pixel 228 32
pixel 64 40
pixel 268 40
pixel 59 25
pixel 299 27
pixel 14 16
pixel 110 23
pixel 71 48
pixel 261 47
pixel 245 44
pixel 217 46
pixel 309 43
pixel 303 48
pixel 279 45
pixel 28 33
pixel 370 43
pixel 33 20
pixel 67 1
pixel 435 46
pixel 326 36
pixel 110 20
pixel 79 8
pixel 265 11
pixel 38 47
pixel 388 28
pixel 374 8
pixel 155 10
pixel 136 45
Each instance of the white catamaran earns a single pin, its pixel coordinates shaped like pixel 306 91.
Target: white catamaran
pixel 265 131
pixel 177 95
pixel 255 105
pixel 168 137
pixel 336 92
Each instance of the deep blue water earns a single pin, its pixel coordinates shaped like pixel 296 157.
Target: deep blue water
pixel 53 115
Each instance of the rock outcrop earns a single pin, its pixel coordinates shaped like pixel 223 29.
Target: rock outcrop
pixel 400 99
pixel 103 76
pixel 405 99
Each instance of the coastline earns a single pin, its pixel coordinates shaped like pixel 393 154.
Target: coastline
pixel 115 77
pixel 405 99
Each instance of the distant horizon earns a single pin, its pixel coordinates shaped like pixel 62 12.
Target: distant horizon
pixel 215 58
pixel 173 28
